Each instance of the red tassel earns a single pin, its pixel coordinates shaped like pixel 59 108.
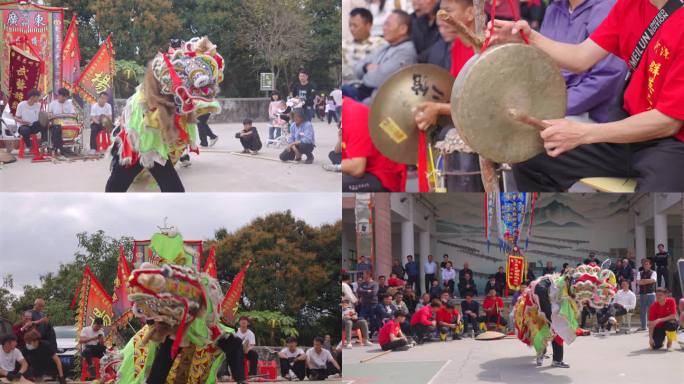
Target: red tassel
pixel 422 162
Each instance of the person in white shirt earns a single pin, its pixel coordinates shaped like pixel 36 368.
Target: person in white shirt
pixel 320 363
pixel 92 339
pixel 449 277
pixel 347 291
pixel 248 343
pixel 624 301
pixel 26 117
pixel 292 361
pixel 60 107
pixel 98 111
pixel 430 270
pixel 10 356
pixel 351 321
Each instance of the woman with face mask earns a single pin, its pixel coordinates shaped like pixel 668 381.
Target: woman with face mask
pixel 41 358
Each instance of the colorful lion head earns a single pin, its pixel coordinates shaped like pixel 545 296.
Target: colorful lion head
pixel 593 286
pixel 191 74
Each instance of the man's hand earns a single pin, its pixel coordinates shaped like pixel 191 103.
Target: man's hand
pixel 563 135
pixel 371 67
pixel 426 114
pixel 508 31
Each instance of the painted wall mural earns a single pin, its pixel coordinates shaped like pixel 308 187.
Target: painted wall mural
pixel 566 228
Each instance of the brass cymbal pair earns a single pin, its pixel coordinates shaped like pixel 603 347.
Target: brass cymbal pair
pixel 497 103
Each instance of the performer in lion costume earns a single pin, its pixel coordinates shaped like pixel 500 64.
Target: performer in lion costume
pixel 183 341
pixel 159 120
pixel 547 310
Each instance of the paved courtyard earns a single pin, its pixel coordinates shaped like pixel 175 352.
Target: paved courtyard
pixel 620 359
pixel 216 169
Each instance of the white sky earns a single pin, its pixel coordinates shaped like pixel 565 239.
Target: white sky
pixel 38 230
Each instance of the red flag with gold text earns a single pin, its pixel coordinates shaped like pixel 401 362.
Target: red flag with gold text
pixel 24 70
pixel 93 302
pixel 98 75
pixel 231 302
pixel 210 264
pixel 71 58
pixel 121 307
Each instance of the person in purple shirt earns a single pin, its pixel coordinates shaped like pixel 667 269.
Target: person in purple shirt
pixel 301 140
pixel 592 94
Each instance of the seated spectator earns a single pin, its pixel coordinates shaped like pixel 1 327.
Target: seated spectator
pixel 448 321
pixel 92 339
pixel 449 277
pixel 42 322
pixel 249 137
pixel 397 269
pixel 61 106
pixel 26 116
pixel 21 328
pixel 302 140
pixel 444 297
pixel 10 356
pixel 624 301
pixel 435 290
pixel 462 273
pixel 374 69
pixel 491 284
pixel 423 323
pixel 424 31
pixel 360 45
pixel 395 281
pixel 445 260
pixel 549 269
pixel 467 286
pixel 347 291
pixel 391 336
pixel 320 363
pixel 587 311
pixel 493 307
pixel 383 311
pixel 500 278
pixel 352 322
pixel 424 301
pixel 662 320
pixel 98 111
pixel 410 299
pixel 471 314
pixel 292 361
pixel 399 302
pixel 249 342
pixel 565 267
pixel 41 358
pixel 382 286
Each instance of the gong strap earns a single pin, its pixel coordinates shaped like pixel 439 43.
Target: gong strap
pixel 670 7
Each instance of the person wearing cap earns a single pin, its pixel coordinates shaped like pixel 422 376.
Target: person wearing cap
pixel 302 140
pixel 305 91
pixel 249 137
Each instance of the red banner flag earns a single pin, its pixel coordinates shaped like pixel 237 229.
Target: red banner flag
pixel 515 272
pixel 98 75
pixel 71 58
pixel 94 302
pixel 121 307
pixel 210 264
pixel 231 302
pixel 24 70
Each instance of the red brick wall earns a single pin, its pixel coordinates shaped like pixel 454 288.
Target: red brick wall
pixel 383 234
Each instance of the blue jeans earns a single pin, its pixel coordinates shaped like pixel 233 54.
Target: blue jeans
pixel 645 301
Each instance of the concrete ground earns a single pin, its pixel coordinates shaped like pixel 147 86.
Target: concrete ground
pixel 614 358
pixel 217 169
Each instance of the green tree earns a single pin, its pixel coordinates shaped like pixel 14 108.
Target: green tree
pixel 294 269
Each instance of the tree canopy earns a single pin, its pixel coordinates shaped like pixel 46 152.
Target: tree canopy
pixel 253 36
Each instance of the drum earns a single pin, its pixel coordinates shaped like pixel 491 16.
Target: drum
pixel 71 127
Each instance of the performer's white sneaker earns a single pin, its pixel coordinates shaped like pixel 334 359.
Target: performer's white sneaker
pixel 560 364
pixel 540 359
pixel 213 141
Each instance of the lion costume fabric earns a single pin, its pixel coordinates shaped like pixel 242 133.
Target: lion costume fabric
pixel 183 341
pixel 549 306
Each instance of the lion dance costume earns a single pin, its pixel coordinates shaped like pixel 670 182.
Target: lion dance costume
pixel 183 341
pixel 159 121
pixel 547 310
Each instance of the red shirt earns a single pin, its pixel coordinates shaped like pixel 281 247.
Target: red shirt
pixel 356 142
pixel 657 311
pixel 447 316
pixel 422 316
pixel 460 54
pixel 391 327
pixel 395 282
pixel 488 304
pixel 658 81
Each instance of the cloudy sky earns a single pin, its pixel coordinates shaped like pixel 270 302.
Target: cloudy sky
pixel 38 231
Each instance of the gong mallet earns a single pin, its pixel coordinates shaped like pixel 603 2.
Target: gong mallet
pixel 527 119
pixel 468 35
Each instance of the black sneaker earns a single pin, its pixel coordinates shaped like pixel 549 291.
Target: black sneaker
pixel 309 159
pixel 456 336
pixel 560 364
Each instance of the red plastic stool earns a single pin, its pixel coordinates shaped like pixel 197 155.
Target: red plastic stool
pixel 267 370
pixel 246 366
pixel 84 369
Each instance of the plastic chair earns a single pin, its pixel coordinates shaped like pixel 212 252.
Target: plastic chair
pixel 358 336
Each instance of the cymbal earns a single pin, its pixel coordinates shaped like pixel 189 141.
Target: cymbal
pixel 391 123
pixel 499 94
